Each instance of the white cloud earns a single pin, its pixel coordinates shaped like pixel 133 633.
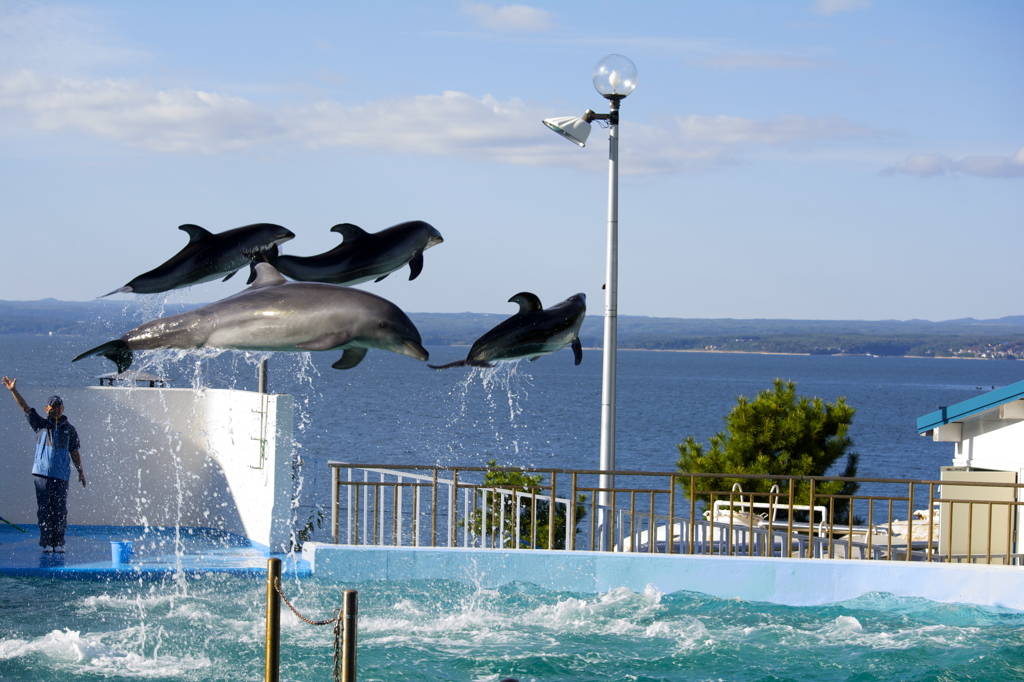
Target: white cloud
pixel 187 121
pixel 932 165
pixel 700 143
pixel 830 7
pixel 452 124
pixel 787 130
pixel 509 17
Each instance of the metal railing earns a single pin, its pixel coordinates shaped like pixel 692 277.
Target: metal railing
pixel 669 513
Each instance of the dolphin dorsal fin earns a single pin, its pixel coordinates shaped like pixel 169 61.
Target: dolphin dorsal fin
pixel 350 232
pixel 195 233
pixel 267 276
pixel 528 302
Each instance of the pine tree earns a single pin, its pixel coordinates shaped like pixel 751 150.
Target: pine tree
pixel 778 434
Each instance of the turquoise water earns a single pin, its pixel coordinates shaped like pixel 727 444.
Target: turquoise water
pixel 212 629
pixel 543 414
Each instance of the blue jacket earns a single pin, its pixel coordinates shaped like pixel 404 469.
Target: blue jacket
pixel 53 448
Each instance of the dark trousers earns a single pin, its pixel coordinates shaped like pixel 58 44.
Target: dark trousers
pixel 51 510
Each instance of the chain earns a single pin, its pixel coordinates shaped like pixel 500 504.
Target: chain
pixel 338 615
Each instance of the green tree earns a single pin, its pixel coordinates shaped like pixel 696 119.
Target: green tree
pixel 779 434
pixel 506 479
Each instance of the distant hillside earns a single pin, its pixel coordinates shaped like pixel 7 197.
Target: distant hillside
pixel 1002 338
pixel 956 338
pixel 76 318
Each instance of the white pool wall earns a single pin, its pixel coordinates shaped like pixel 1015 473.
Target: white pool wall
pixel 795 582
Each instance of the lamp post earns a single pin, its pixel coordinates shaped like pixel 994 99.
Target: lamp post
pixel 614 79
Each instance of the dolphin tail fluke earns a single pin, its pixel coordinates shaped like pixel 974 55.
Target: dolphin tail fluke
pixel 462 363
pixel 123 290
pixel 457 363
pixel 577 350
pixel 115 351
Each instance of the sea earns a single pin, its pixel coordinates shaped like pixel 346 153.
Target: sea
pixel 392 410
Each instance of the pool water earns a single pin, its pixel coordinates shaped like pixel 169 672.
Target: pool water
pixel 212 628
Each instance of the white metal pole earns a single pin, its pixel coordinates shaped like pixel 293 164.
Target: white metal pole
pixel 611 305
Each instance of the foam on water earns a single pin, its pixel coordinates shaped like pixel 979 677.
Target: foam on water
pixel 430 630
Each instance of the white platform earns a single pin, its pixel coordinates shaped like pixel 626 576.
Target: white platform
pixel 163 457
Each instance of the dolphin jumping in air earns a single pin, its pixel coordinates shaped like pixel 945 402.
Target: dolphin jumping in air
pixel 209 256
pixel 277 315
pixel 363 256
pixel 532 332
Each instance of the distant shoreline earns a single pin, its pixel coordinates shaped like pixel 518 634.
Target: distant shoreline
pixel 766 352
pixel 965 339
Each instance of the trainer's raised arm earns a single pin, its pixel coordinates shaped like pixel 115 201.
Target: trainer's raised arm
pixel 11 385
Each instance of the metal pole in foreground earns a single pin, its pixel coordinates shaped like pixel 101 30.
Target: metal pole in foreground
pixel 273 648
pixel 611 312
pixel 262 376
pixel 348 638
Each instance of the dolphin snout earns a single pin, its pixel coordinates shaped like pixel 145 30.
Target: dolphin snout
pixel 284 235
pixel 414 350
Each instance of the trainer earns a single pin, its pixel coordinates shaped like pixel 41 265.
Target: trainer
pixel 56 451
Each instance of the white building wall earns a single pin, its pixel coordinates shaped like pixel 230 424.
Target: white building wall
pixel 163 457
pixel 984 447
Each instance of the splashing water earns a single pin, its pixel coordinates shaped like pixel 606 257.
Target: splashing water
pixel 479 400
pixel 443 630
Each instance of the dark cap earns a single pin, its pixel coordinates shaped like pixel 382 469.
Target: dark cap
pixel 55 400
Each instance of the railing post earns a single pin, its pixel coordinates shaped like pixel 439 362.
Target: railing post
pixel 433 510
pixel 652 531
pixel 810 525
pixel 335 501
pixel 453 508
pixel 570 517
pixel 351 519
pixel 533 519
pixel 931 520
pixel 396 514
pixel 273 643
pixel 380 497
pixel 693 511
pixel 350 615
pixel 670 533
pixel 353 538
pixel 416 515
pixel 551 513
pixel 910 523
pixel 789 524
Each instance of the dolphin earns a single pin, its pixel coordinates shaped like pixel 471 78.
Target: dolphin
pixel 209 256
pixel 274 314
pixel 363 256
pixel 532 332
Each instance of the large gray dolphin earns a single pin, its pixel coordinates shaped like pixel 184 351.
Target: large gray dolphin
pixel 277 315
pixel 363 256
pixel 532 332
pixel 209 256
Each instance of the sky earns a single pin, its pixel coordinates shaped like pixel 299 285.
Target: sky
pixel 799 159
